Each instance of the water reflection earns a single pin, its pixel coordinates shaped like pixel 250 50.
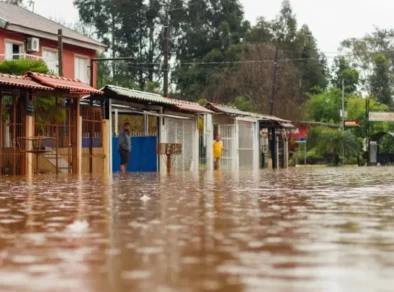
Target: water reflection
pixel 291 230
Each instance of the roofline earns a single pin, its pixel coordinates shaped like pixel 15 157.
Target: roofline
pixel 54 37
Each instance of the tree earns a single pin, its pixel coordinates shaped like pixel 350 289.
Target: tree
pixel 362 51
pixel 343 71
pixel 335 142
pixel 212 32
pixel 380 80
pixel 298 45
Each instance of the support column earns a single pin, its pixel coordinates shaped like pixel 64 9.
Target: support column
pixel 106 146
pixel 274 149
pixel 285 152
pixel 29 157
pixel 77 139
pixel 209 139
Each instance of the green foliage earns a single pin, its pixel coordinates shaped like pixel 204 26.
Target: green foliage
pixel 343 71
pixel 244 104
pixel 21 66
pixel 380 80
pixel 363 53
pixel 335 142
pixel 325 107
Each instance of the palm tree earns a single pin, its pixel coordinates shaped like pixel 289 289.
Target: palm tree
pixel 335 142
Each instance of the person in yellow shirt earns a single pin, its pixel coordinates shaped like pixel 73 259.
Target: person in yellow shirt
pixel 217 151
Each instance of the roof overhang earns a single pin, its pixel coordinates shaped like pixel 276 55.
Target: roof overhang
pixel 54 37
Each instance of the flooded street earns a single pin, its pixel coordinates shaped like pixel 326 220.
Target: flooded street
pixel 291 230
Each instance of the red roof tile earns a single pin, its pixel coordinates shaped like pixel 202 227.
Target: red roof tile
pixel 21 82
pixel 74 86
pixel 190 106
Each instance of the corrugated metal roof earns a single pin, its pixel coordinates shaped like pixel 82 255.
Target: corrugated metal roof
pixel 236 112
pixel 138 95
pixel 22 20
pixel 74 86
pixel 190 106
pixel 227 109
pixel 21 82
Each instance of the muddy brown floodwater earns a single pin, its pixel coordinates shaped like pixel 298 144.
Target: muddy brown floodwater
pixel 291 230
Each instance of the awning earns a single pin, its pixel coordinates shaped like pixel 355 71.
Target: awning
pixel 189 106
pixel 126 94
pixel 288 126
pixel 124 109
pixel 73 86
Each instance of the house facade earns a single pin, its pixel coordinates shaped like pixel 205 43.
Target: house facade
pixel 24 34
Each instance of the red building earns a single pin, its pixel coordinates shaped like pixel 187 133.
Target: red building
pixel 24 34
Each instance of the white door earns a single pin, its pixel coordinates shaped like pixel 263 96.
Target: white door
pixel 228 134
pixel 81 69
pixel 246 145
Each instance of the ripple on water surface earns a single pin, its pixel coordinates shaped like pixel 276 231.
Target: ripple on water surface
pixel 290 230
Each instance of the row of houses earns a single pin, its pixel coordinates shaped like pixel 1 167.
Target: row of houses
pixel 61 125
pixel 80 124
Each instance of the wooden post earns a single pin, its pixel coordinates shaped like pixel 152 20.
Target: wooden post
pixel 60 51
pixel 168 163
pixel 1 133
pixel 106 146
pixel 13 138
pixel 91 124
pixel 77 138
pixel 57 135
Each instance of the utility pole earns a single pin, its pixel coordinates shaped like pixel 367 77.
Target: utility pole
pixel 60 61
pixel 367 128
pixel 274 81
pixel 60 51
pixel 343 120
pixel 166 51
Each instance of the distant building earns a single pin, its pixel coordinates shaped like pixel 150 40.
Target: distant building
pixel 24 34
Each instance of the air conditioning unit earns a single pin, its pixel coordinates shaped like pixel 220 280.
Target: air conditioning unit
pixel 33 45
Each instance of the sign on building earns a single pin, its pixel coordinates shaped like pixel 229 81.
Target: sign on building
pixel 352 124
pixel 381 116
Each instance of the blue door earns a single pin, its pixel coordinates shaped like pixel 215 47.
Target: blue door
pixel 143 156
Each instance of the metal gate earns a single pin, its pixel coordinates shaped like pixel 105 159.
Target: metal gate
pixel 245 144
pixel 53 118
pixel 183 131
pixel 228 134
pixel 11 128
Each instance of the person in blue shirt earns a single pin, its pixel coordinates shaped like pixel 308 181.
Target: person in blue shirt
pixel 124 147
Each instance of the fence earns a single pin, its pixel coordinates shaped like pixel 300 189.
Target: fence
pixel 11 128
pixel 53 118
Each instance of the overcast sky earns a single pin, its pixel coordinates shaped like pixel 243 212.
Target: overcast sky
pixel 330 21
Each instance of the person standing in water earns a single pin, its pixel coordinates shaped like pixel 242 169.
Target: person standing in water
pixel 217 151
pixel 124 147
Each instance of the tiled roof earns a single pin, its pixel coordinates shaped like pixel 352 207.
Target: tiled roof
pixel 21 82
pixel 24 21
pixel 130 94
pixel 190 106
pixel 74 86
